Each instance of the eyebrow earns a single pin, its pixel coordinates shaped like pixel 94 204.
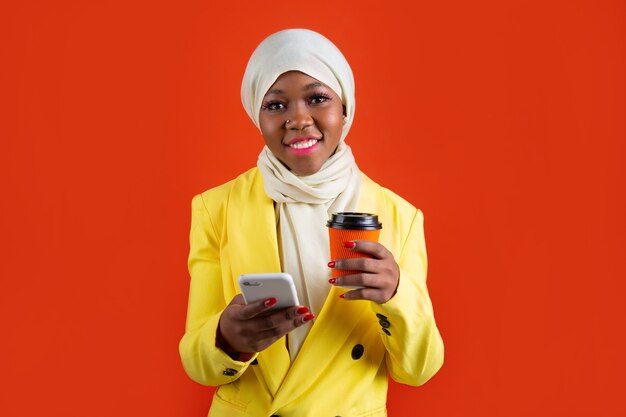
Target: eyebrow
pixel 306 87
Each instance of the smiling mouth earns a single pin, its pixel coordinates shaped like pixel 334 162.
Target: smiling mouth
pixel 305 144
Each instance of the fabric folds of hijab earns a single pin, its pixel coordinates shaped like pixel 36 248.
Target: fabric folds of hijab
pixel 304 203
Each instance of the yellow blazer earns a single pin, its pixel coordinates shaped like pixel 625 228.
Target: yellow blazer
pixel 342 366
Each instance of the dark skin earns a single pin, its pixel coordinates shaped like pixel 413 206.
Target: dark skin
pixel 379 274
pixel 314 110
pixel 250 328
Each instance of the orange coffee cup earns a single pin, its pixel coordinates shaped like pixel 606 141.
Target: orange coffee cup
pixel 347 226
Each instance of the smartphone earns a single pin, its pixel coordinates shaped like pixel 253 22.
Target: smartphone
pixel 279 285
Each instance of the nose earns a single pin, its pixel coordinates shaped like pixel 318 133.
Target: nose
pixel 299 117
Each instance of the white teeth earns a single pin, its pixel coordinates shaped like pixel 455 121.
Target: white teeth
pixel 304 144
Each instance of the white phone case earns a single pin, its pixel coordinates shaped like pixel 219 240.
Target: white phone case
pixel 279 285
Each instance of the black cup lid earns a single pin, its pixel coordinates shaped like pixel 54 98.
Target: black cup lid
pixel 354 221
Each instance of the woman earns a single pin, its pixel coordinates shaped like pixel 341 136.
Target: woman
pixel 331 355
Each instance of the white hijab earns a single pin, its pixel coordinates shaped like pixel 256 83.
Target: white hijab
pixel 304 204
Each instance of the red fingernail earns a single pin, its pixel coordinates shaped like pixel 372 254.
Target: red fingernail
pixel 331 264
pixel 302 310
pixel 309 317
pixel 270 302
pixel 332 281
pixel 341 296
pixel 349 245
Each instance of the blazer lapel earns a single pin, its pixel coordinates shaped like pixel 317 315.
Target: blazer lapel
pixel 330 329
pixel 252 247
pixel 328 334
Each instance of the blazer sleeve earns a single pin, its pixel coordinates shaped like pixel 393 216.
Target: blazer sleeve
pixel 203 361
pixel 410 335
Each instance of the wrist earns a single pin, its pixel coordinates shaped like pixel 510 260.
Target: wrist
pixel 222 343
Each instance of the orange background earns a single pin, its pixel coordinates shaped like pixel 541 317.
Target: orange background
pixel 503 120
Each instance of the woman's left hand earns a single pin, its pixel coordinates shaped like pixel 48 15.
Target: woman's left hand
pixel 379 275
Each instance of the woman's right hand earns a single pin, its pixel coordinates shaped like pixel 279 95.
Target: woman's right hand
pixel 248 328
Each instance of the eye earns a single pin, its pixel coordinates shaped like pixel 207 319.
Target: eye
pixel 319 98
pixel 273 105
